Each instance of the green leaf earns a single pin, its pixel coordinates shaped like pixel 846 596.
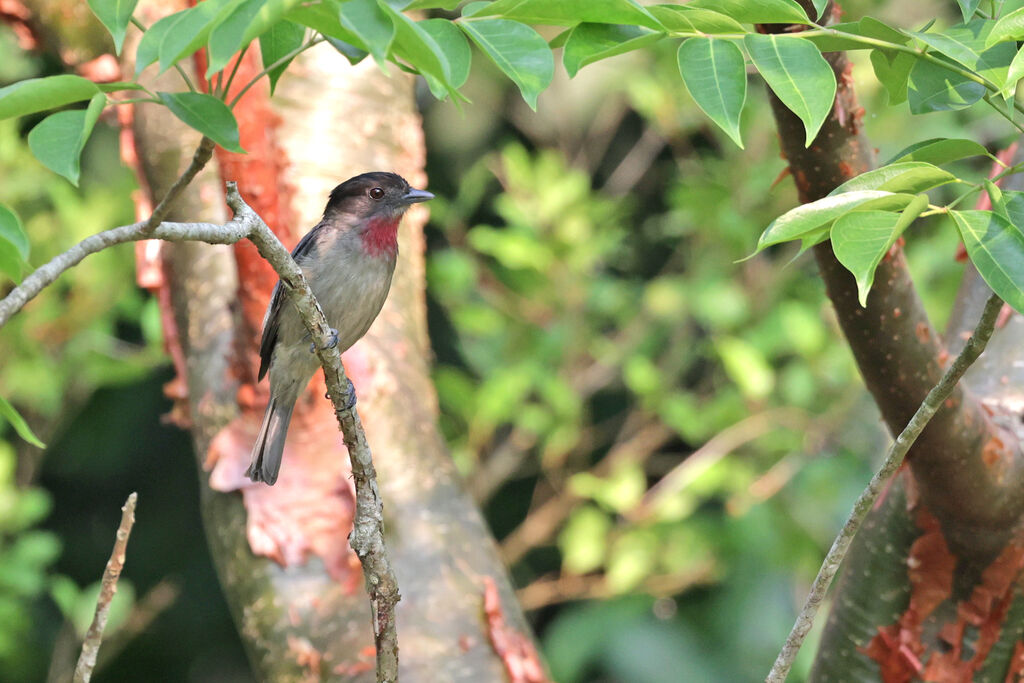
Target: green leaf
pixel 269 14
pixel 519 51
pixel 807 218
pixel 940 151
pixel 227 33
pixel 965 44
pixel 819 7
pixel 370 23
pixel 12 233
pixel 1013 75
pixel 997 200
pixel 323 17
pixel 860 240
pixel 207 114
pixel 798 74
pixel 10 262
pixel 39 94
pixel 419 48
pixel 188 32
pixel 689 19
pixel 873 28
pixel 353 54
pixel 968 8
pixel 453 44
pixel 934 88
pixel 588 43
pixel 432 4
pixel 757 11
pixel 8 412
pixel 1014 204
pixel 57 141
pixel 1007 28
pixel 996 248
pixel 747 367
pixel 148 50
pixel 570 12
pixel 282 38
pixel 115 15
pixel 893 71
pixel 906 176
pixel 715 75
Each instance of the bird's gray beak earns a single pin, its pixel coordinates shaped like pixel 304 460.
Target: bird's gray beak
pixel 414 196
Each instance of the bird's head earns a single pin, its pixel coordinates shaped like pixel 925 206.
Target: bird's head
pixel 371 205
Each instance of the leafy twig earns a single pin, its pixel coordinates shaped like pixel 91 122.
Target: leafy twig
pixel 94 636
pixel 932 402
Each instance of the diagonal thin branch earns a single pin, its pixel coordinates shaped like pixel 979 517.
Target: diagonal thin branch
pixel 94 636
pixel 932 402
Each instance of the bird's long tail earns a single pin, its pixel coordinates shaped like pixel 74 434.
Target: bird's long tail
pixel 266 454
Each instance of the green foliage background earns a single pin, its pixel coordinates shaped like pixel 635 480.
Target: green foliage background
pixel 584 284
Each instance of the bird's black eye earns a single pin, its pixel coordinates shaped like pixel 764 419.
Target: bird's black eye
pixel 376 193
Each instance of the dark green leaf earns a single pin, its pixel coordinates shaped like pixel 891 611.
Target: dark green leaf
pixel 996 248
pixel 798 74
pixel 873 28
pixel 861 238
pixel 519 52
pixel 1014 204
pixel 57 141
pixel 893 71
pixel 8 412
pixel 819 7
pixel 966 45
pixel 282 38
pixel 757 11
pixel 226 35
pixel 40 94
pixel 1009 27
pixel 570 12
pixel 371 24
pixel 189 31
pixel 207 114
pixel 688 19
pixel 589 43
pixel 715 74
pixel 453 44
pixel 353 54
pixel 115 15
pixel 12 232
pixel 324 18
pixel 807 218
pixel 940 151
pixel 906 176
pixel 269 14
pixel 934 88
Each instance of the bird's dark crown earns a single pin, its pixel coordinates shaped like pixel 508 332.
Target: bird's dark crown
pixel 354 193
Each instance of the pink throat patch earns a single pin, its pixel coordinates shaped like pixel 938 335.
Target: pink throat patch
pixel 381 236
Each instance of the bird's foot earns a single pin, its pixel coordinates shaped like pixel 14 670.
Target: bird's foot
pixel 332 341
pixel 350 395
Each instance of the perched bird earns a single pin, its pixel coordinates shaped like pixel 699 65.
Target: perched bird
pixel 348 260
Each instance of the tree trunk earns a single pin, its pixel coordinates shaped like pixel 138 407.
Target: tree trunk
pixel 929 589
pixel 298 599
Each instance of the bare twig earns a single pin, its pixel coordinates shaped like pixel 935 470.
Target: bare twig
pixel 93 637
pixel 932 402
pixel 367 537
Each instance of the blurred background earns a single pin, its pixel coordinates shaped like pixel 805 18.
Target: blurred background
pixel 663 438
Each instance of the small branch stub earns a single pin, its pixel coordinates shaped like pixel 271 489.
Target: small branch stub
pixel 94 636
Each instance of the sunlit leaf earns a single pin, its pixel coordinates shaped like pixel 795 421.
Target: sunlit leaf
pixel 809 217
pixel 906 176
pixel 569 12
pixel 187 32
pixel 282 38
pixel 40 94
pixel 1007 28
pixel 798 74
pixel 226 35
pixel 696 20
pixel 715 75
pixel 996 248
pixel 15 419
pixel 757 11
pixel 368 20
pixel 940 151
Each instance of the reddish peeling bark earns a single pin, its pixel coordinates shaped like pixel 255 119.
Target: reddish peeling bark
pixel 951 569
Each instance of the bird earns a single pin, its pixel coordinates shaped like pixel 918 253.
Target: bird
pixel 348 259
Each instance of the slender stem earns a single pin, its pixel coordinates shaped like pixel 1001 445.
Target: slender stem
pixel 199 160
pixel 135 100
pixel 93 638
pixel 177 67
pixel 1006 115
pixel 270 67
pixel 225 87
pixel 931 404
